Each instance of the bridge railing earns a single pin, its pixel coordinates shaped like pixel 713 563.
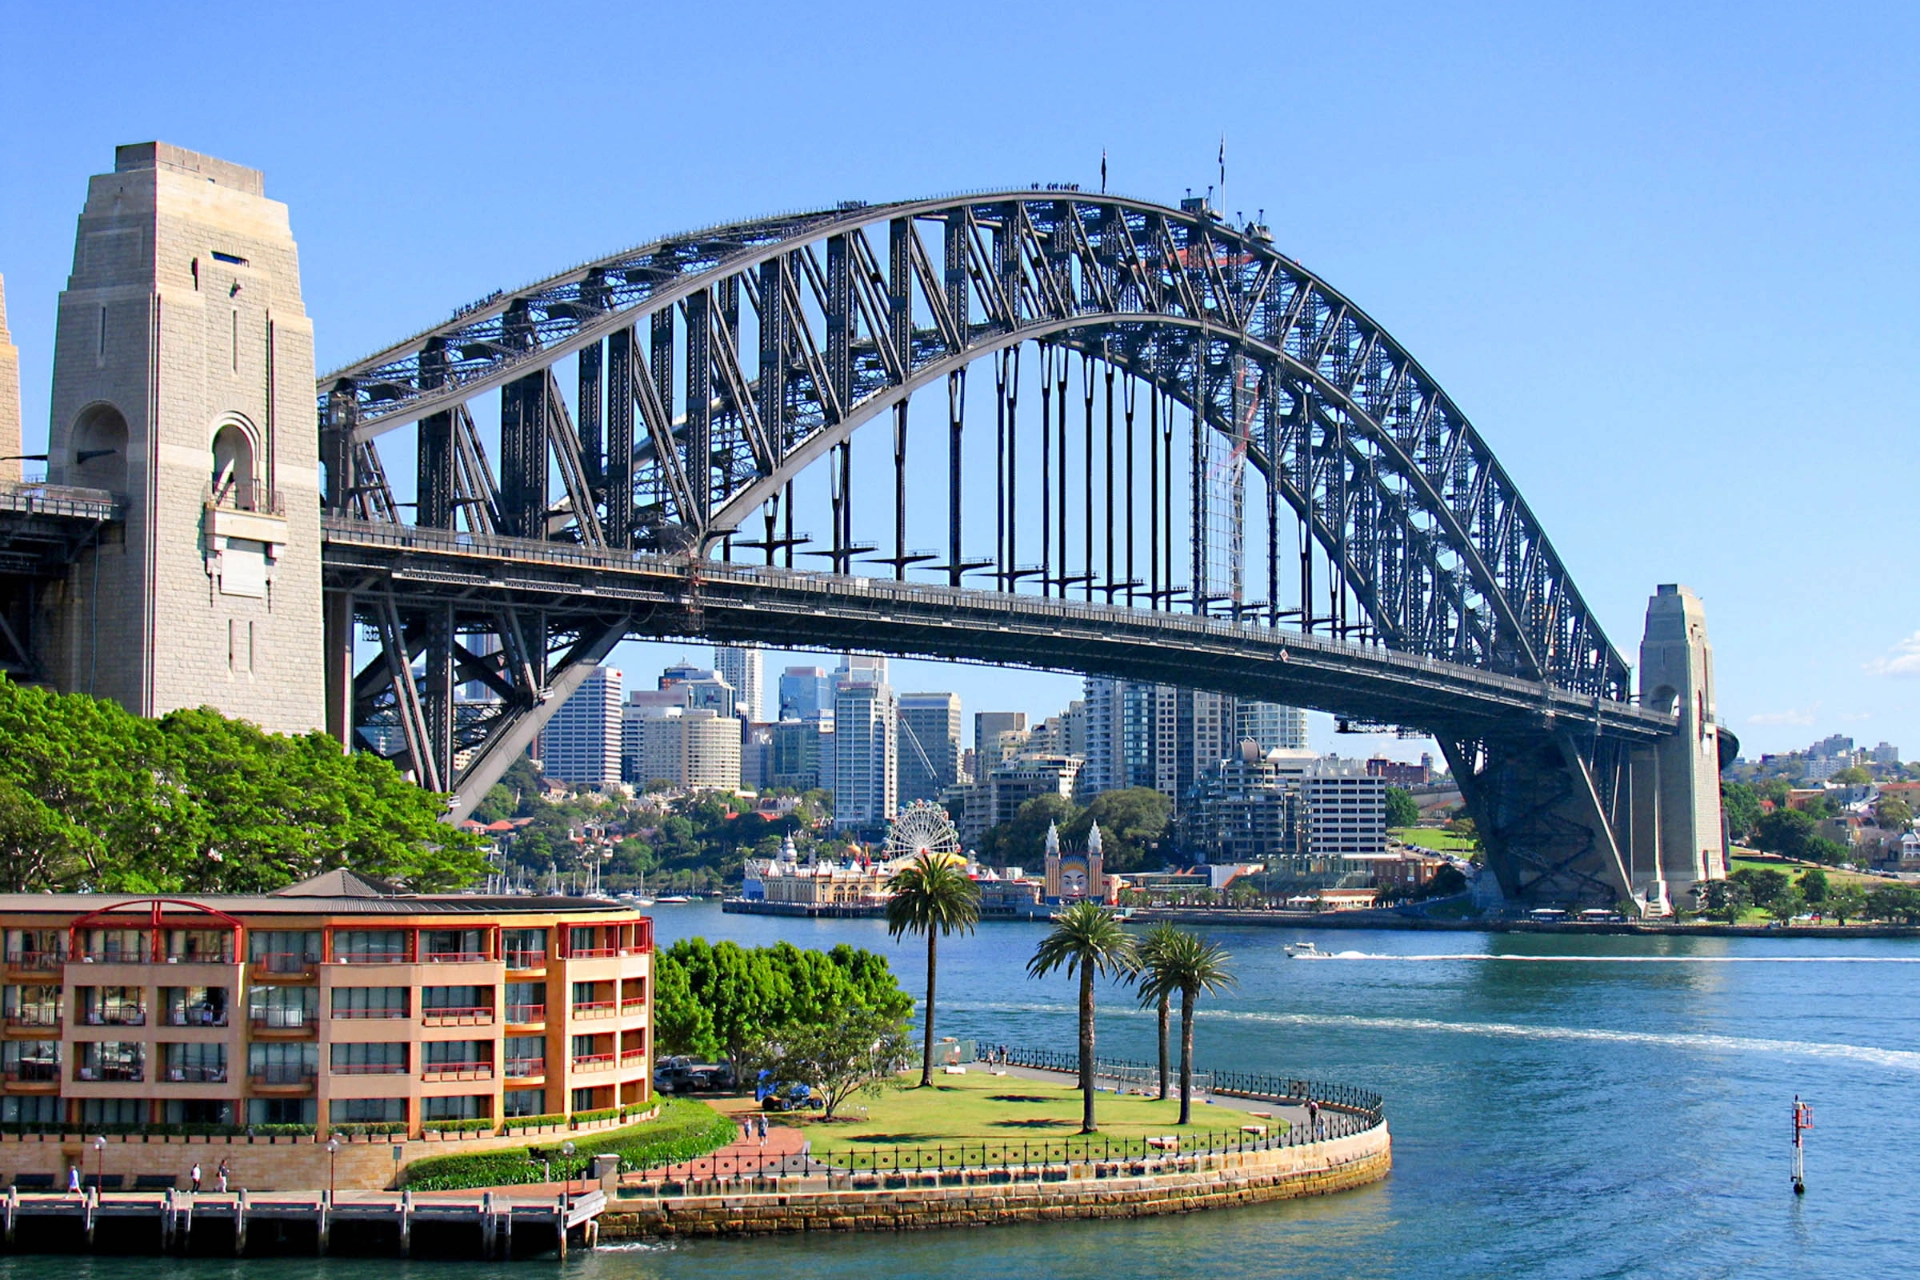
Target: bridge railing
pixel 58 500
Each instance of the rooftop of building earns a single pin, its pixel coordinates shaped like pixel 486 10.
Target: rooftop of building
pixel 332 893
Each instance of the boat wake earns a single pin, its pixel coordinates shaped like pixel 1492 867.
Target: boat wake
pixel 1517 959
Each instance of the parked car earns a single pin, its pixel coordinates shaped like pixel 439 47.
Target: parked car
pixel 685 1075
pixel 791 1097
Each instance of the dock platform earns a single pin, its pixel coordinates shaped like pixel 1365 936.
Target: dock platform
pixel 486 1224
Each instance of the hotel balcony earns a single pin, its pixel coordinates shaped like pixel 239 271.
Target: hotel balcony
pixel 281 1027
pixel 282 1078
pixel 526 1068
pixel 32 1077
pixel 283 966
pixel 595 1009
pixel 34 1020
pixel 526 1015
pixel 35 962
pixel 196 1075
pixel 478 1016
pixel 594 1062
pixel 526 961
pixel 457 1071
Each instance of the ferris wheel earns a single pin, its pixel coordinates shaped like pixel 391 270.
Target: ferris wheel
pixel 922 827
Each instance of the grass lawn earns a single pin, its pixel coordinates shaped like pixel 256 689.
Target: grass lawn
pixel 1005 1112
pixel 1794 869
pixel 1433 838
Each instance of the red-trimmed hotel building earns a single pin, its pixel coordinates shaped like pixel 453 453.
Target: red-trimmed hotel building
pixel 338 1000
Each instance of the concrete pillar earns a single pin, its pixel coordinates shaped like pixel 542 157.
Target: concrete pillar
pixel 183 382
pixel 9 396
pixel 1677 833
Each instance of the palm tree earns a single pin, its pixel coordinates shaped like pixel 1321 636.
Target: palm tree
pixel 1154 989
pixel 1194 967
pixel 1087 939
pixel 932 895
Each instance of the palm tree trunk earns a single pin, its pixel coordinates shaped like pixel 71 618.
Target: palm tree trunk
pixel 1086 1048
pixel 1166 1012
pixel 926 1058
pixel 1186 1056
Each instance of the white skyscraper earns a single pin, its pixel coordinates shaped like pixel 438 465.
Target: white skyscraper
pixel 1273 726
pixel 865 737
pixel 581 744
pixel 740 667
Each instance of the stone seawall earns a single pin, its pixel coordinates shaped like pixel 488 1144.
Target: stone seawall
pixel 987 1197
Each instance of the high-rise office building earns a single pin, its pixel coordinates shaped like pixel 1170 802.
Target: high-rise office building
pixel 740 667
pixel 865 730
pixel 988 726
pixel 800 755
pixel 1156 735
pixel 1271 726
pixel 929 745
pixel 806 693
pixel 706 689
pixel 581 743
pixel 697 749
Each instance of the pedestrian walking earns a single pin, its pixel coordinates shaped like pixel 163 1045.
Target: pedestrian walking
pixel 222 1173
pixel 1313 1116
pixel 763 1131
pixel 194 1177
pixel 746 1127
pixel 73 1179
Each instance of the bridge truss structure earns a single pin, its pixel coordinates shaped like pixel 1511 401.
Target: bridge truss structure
pixel 659 415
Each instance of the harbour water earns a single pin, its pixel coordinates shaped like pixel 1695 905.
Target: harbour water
pixel 1562 1107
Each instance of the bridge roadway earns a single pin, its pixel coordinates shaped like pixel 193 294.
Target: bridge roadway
pixel 675 595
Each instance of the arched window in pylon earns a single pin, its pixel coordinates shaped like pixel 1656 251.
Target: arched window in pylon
pixel 97 457
pixel 235 480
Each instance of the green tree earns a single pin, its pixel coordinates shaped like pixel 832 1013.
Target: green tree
pixel 1785 905
pixel 1725 899
pixel 850 1052
pixel 1740 805
pixel 1133 822
pixel 1852 777
pixel 682 1024
pixel 1402 811
pixel 1021 841
pixel 1893 813
pixel 1194 967
pixel 1086 939
pixel 1814 887
pixel 1895 903
pixel 1844 902
pixel 1152 991
pixel 1785 832
pixel 932 895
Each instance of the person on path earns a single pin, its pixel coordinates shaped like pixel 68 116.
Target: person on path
pixel 73 1179
pixel 746 1127
pixel 763 1131
pixel 194 1175
pixel 222 1173
pixel 1313 1116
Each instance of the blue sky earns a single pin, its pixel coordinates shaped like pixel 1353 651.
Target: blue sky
pixel 1663 256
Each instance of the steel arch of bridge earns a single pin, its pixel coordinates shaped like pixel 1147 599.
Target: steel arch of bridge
pixel 714 367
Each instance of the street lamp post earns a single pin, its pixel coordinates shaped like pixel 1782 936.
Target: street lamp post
pixel 99 1165
pixel 333 1149
pixel 566 1149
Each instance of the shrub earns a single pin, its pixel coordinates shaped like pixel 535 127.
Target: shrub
pixel 457 1126
pixel 533 1122
pixel 684 1129
pixel 382 1128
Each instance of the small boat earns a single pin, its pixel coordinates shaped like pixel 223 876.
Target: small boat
pixel 1303 951
pixel 673 899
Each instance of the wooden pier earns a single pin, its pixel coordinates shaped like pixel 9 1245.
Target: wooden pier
pixel 487 1224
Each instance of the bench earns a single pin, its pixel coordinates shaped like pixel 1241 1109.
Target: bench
pixel 155 1182
pixel 955 1071
pixel 108 1182
pixel 1261 1115
pixel 1257 1130
pixel 1166 1142
pixel 34 1181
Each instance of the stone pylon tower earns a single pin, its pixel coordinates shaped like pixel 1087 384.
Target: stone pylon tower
pixel 183 382
pixel 1677 832
pixel 9 396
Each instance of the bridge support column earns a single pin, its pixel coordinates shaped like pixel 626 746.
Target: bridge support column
pixel 183 383
pixel 1678 834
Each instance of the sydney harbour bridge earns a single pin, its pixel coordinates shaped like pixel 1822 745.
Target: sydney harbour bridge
pixel 1037 426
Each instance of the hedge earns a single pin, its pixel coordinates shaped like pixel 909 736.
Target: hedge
pixel 458 1126
pixel 684 1129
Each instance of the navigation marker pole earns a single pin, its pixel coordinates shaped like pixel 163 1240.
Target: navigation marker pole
pixel 1802 1121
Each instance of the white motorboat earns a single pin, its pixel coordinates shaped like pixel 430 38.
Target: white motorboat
pixel 1303 951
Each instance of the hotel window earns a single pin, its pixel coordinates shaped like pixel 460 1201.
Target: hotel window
pixel 33 1006
pixel 526 1001
pixel 119 946
pixel 456 1004
pixel 586 940
pixel 468 1107
pixel 456 1058
pixel 196 1063
pixel 524 948
pixel 200 946
pixel 289 1063
pixel 521 1102
pixel 119 1061
pixel 36 948
pixel 207 1111
pixel 370 946
pixel 41 1109
pixel 282 1111
pixel 385 1059
pixel 112 1007
pixel 526 1055
pixel 369 1002
pixel 195 1006
pixel 367 1111
pixel 454 944
pixel 284 950
pixel 30 1060
pixel 113 1111
pixel 282 1008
